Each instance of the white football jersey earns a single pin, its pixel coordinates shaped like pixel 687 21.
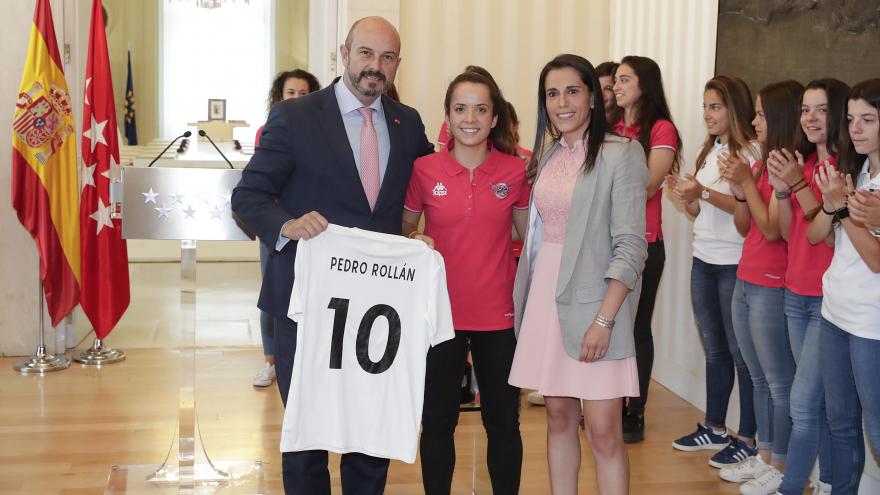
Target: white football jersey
pixel 368 307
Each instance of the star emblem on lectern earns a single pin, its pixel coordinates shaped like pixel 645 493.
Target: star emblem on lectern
pixel 216 212
pixel 163 211
pixel 189 212
pixel 150 196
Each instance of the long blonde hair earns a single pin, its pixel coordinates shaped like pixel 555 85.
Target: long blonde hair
pixel 737 98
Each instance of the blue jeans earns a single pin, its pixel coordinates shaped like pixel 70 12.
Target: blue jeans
pixel 267 323
pixel 809 431
pixel 761 332
pixel 852 388
pixel 711 294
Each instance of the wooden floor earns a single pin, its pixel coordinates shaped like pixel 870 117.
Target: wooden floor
pixel 60 433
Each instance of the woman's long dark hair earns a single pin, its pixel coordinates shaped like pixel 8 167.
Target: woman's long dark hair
pixel 737 99
pixel 276 94
pixel 849 161
pixel 781 103
pixel 836 93
pixel 597 126
pixel 652 105
pixel 500 135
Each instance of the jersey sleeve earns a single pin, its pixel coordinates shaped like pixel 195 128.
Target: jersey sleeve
pixel 664 135
pixel 439 312
pixel 414 198
pixel 300 282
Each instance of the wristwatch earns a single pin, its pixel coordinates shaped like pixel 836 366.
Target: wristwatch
pixel 705 194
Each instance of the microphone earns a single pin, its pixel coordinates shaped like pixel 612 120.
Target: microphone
pixel 205 135
pixel 184 135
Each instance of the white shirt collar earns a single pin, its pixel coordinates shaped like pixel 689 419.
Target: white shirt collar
pixel 348 102
pixel 864 178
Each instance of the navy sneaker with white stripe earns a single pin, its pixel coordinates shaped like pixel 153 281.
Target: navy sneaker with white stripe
pixel 702 439
pixel 735 452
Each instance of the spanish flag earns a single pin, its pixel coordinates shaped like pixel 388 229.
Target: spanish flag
pixel 45 189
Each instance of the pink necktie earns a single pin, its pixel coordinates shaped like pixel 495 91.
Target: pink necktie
pixel 369 157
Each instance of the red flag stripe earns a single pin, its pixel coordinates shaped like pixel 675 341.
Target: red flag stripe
pixel 31 201
pixel 105 292
pixel 43 21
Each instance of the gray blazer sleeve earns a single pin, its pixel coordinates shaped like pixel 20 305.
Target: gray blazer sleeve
pixel 628 197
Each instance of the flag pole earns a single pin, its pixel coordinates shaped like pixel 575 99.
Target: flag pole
pixel 99 354
pixel 41 361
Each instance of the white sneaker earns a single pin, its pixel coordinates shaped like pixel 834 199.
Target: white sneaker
pixel 535 399
pixel 746 470
pixel 265 376
pixel 765 484
pixel 820 488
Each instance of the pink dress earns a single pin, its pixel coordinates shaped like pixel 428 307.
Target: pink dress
pixel 540 362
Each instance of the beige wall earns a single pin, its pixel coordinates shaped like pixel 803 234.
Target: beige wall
pixel 291 35
pixel 134 26
pixel 513 39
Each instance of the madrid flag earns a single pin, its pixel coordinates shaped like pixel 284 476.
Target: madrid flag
pixel 105 288
pixel 44 174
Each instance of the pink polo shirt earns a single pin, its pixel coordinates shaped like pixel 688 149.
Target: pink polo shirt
pixel 663 135
pixel 470 223
pixel 763 263
pixel 806 262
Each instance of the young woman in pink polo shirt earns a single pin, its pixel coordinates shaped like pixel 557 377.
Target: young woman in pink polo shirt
pixel 759 297
pixel 850 340
pixel 638 90
pixel 796 201
pixel 470 194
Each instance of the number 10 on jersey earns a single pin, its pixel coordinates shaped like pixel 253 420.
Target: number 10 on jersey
pixel 365 329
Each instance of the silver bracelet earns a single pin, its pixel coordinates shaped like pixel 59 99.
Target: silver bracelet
pixel 604 321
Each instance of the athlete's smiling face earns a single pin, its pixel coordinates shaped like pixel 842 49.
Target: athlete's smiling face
pixel 470 114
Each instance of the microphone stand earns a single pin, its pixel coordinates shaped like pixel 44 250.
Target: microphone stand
pixel 184 135
pixel 205 135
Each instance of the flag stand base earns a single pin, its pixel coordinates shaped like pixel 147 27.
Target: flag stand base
pixel 98 355
pixel 42 362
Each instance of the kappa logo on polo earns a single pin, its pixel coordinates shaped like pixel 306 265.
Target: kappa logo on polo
pixel 439 190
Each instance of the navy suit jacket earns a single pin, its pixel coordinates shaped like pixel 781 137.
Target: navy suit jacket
pixel 305 163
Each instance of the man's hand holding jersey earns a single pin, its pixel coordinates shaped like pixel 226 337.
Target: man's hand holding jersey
pixel 304 227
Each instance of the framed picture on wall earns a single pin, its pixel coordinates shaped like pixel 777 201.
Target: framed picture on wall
pixel 216 109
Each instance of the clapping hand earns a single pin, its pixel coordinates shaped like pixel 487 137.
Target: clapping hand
pixel 687 189
pixel 735 170
pixel 835 187
pixel 785 169
pixel 864 207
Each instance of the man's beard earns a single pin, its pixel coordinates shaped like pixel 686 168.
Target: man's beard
pixel 367 90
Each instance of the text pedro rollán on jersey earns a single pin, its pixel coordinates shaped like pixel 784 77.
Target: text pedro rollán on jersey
pixel 373 269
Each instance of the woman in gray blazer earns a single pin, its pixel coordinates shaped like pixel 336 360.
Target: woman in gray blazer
pixel 578 279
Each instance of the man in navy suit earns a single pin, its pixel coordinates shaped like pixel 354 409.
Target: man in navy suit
pixel 320 160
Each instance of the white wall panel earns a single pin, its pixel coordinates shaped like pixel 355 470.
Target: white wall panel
pixel 513 39
pixel 680 36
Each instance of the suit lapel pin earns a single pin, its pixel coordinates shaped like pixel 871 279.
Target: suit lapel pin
pixel 396 121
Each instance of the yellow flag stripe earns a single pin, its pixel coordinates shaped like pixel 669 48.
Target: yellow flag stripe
pixel 54 163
